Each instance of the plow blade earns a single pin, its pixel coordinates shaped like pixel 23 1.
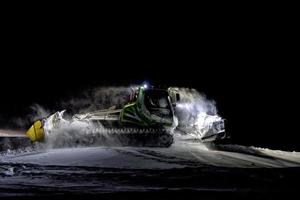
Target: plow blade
pixel 36 132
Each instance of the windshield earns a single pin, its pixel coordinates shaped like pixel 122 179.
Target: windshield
pixel 157 102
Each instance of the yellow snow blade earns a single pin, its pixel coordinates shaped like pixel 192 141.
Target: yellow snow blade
pixel 36 132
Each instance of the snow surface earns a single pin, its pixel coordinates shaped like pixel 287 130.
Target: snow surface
pixel 181 154
pixel 186 166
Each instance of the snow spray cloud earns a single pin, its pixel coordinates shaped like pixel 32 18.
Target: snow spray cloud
pixel 194 102
pixel 98 98
pixel 73 132
pixel 39 112
pixel 195 112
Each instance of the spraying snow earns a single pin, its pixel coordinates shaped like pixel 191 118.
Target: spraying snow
pixel 196 114
pixel 195 117
pixel 98 98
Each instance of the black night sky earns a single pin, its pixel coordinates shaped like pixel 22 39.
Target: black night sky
pixel 246 68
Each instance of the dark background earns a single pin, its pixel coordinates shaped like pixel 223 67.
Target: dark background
pixel 247 65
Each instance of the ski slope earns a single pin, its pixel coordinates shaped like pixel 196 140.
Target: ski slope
pixel 185 166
